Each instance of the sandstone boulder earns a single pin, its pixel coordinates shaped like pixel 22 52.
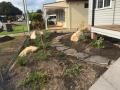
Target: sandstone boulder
pixel 33 35
pixel 28 50
pixel 75 37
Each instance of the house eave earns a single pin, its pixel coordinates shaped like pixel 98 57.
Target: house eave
pixel 75 0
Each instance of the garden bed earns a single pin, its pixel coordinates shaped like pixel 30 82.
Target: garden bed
pixel 109 51
pixel 53 70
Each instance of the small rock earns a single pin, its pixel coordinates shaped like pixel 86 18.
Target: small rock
pixel 71 52
pixel 98 59
pixel 57 45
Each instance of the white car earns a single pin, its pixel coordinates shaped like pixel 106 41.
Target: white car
pixel 52 18
pixel 1 25
pixel 20 20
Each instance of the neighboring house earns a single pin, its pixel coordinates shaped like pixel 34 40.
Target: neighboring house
pixel 104 17
pixel 69 13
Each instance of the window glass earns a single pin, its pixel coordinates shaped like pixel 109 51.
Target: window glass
pixel 106 3
pixel 100 3
pixel 86 5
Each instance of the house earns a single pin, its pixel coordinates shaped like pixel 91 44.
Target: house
pixel 104 17
pixel 70 14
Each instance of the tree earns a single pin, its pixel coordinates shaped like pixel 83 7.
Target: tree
pixel 6 8
pixel 39 11
pixel 37 20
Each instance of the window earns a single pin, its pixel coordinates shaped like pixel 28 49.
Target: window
pixel 103 3
pixel 86 5
pixel 100 3
pixel 106 3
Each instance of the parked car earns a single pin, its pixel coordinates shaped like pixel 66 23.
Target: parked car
pixel 1 26
pixel 52 19
pixel 20 20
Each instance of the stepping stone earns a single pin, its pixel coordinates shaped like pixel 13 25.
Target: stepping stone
pixel 57 45
pixel 71 52
pixel 62 48
pixel 98 59
pixel 81 55
pixel 59 37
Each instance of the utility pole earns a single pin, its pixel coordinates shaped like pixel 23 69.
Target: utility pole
pixel 26 14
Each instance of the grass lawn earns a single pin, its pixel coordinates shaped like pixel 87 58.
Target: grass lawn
pixel 16 29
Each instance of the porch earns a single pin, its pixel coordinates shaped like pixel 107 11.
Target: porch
pixel 58 9
pixel 107 30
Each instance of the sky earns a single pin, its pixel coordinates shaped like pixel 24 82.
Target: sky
pixel 33 5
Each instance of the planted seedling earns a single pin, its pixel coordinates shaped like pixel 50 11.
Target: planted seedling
pixel 73 70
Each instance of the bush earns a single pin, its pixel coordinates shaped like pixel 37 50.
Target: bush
pixel 41 55
pixel 36 80
pixel 22 61
pixel 37 20
pixel 73 70
pixel 98 43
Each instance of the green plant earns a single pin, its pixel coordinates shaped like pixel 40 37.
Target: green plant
pixel 38 42
pixel 46 34
pixel 61 54
pixel 36 80
pixel 41 55
pixel 98 43
pixel 42 40
pixel 83 36
pixel 22 61
pixel 73 70
pixel 27 43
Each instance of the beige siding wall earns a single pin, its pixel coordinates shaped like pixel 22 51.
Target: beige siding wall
pixel 78 14
pixel 105 16
pixel 117 12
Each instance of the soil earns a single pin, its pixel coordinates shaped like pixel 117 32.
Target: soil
pixel 5 39
pixel 9 47
pixel 55 67
pixel 109 51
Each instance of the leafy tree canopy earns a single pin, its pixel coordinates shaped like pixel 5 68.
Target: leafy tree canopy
pixel 39 11
pixel 6 8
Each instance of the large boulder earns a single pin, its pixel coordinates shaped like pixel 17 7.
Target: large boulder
pixel 33 35
pixel 75 37
pixel 28 50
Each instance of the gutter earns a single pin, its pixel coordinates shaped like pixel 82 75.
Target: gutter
pixel 93 12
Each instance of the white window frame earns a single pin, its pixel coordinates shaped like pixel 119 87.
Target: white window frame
pixel 103 5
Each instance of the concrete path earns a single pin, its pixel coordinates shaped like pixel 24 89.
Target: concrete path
pixel 110 80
